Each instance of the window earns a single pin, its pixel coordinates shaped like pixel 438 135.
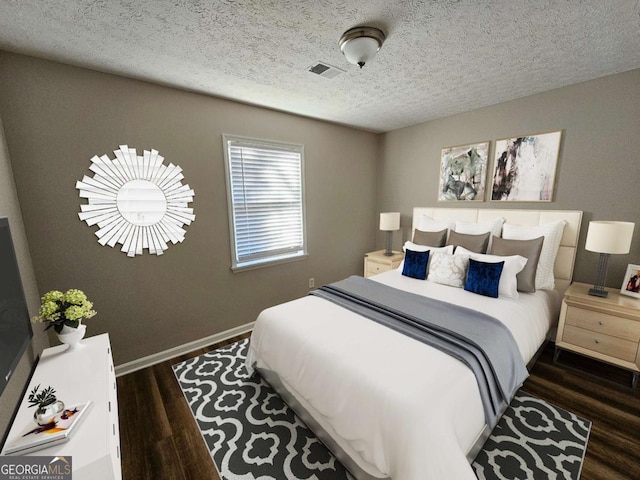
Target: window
pixel 266 201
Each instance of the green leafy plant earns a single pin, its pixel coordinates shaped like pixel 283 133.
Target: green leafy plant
pixel 43 398
pixel 59 309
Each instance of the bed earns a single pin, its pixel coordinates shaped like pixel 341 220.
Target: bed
pixel 389 406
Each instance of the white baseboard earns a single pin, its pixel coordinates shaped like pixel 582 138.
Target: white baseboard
pixel 150 360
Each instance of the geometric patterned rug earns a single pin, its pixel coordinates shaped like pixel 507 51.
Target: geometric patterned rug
pixel 252 433
pixel 534 440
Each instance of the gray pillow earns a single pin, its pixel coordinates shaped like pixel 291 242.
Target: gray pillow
pixel 530 249
pixel 475 243
pixel 432 239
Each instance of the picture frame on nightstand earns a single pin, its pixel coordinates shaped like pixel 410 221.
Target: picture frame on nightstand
pixel 631 281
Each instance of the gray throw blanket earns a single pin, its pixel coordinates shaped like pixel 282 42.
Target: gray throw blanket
pixel 478 340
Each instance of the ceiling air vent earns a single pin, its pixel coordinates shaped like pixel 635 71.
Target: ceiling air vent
pixel 325 70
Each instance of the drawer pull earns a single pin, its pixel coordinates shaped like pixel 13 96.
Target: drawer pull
pixel 597 341
pixel 600 322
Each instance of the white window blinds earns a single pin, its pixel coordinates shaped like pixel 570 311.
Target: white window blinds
pixel 266 200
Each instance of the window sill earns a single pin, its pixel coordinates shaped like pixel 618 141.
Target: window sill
pixel 269 263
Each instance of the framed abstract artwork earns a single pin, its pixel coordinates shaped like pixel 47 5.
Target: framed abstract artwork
pixel 463 172
pixel 524 168
pixel 631 281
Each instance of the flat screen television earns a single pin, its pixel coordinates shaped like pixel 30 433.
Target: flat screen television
pixel 15 325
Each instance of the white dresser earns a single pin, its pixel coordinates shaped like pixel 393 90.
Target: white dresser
pixel 79 376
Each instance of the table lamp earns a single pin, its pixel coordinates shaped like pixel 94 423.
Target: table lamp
pixel 389 222
pixel 606 238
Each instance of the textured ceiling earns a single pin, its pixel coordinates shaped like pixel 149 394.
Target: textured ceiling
pixel 440 57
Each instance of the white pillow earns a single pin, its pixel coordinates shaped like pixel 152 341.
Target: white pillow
pixel 471 228
pixel 513 265
pixel 423 248
pixel 408 245
pixel 448 269
pixel 493 226
pixel 552 233
pixel 428 224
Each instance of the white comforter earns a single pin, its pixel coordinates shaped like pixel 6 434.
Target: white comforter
pixel 397 407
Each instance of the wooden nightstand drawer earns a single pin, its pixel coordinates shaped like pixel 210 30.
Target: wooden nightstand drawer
pixel 603 323
pixel 604 328
pixel 378 262
pixel 598 342
pixel 374 268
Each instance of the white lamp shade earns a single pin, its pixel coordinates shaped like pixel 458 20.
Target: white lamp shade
pixel 360 50
pixel 390 221
pixel 609 237
pixel 360 44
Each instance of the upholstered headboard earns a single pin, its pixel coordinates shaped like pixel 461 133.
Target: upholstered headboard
pixel 563 268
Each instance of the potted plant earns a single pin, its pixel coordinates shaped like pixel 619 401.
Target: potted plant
pixel 64 309
pixel 65 312
pixel 48 405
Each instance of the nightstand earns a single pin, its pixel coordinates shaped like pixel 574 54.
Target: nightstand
pixel 378 262
pixel 606 329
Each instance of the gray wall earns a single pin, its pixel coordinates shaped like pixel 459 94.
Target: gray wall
pixel 10 208
pixel 598 170
pixel 57 117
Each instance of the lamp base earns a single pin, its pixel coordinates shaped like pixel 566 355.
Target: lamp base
pixel 601 277
pixel 388 252
pixel 598 292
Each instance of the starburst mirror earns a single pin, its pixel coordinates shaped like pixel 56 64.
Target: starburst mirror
pixel 136 201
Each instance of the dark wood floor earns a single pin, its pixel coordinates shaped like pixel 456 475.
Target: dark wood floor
pixel 602 394
pixel 160 440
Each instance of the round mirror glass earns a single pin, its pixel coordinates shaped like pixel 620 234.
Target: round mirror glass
pixel 141 202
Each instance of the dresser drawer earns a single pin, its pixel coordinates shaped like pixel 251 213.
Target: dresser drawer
pixel 598 342
pixel 602 323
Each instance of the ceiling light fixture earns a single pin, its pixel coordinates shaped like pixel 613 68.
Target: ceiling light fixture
pixel 360 44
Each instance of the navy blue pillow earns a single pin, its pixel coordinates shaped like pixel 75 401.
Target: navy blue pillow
pixel 483 278
pixel 415 264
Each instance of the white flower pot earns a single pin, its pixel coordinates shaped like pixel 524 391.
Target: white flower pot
pixel 72 336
